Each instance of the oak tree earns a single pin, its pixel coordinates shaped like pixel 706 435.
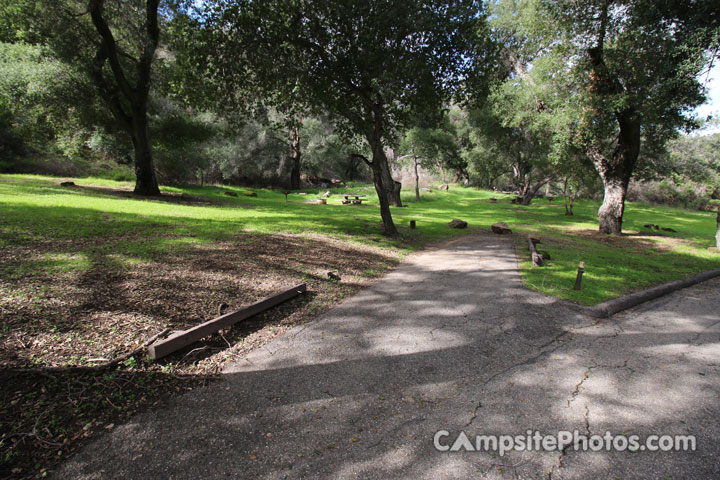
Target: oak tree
pixel 373 67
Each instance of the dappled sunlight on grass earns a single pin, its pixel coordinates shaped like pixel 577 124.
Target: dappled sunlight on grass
pixel 102 217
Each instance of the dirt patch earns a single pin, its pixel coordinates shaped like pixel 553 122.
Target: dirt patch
pixel 166 197
pixel 51 321
pixel 639 241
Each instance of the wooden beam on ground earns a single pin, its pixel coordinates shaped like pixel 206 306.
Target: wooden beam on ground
pixel 183 339
pixel 537 258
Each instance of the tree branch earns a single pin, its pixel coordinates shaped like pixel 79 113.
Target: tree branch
pixel 110 47
pixel 153 32
pixel 110 94
pixel 361 157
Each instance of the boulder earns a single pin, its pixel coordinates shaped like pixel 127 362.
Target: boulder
pixel 326 194
pixel 500 228
pixel 457 223
pixel 67 184
pixel 444 187
pixel 649 225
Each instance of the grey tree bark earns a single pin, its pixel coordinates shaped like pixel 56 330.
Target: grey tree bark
pixel 417 179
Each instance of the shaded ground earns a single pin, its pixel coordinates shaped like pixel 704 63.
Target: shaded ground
pixel 53 319
pixel 448 341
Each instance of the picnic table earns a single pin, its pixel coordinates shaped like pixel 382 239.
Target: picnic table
pixel 354 199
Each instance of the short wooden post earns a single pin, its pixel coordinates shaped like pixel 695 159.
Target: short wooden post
pixel 578 279
pixel 717 233
pixel 412 223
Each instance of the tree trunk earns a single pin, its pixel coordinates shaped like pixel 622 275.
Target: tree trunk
pixel 295 173
pixel 351 171
pixel 122 93
pixel 611 211
pixel 145 180
pixel 417 179
pixel 379 180
pixel 387 189
pixel 391 186
pixel 617 172
pixel 565 197
pixel 529 191
pixel 524 193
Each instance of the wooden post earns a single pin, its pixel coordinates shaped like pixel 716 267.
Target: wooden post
pixel 412 223
pixel 717 233
pixel 578 279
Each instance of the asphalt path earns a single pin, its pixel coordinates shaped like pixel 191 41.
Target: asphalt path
pixel 449 341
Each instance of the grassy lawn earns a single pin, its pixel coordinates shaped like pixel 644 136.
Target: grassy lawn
pixel 90 272
pixel 91 220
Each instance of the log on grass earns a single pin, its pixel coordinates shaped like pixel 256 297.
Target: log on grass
pixel 537 258
pixel 183 339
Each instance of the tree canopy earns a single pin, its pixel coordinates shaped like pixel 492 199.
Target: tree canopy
pixel 634 68
pixel 373 67
pixel 515 94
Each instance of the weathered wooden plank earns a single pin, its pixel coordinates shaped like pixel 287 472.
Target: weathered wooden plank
pixel 185 338
pixel 537 258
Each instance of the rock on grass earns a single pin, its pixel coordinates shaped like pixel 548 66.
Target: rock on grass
pixel 501 228
pixel 457 223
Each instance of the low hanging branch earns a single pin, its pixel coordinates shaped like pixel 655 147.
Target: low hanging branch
pixel 361 157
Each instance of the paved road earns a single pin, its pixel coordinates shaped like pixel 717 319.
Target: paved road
pixel 448 341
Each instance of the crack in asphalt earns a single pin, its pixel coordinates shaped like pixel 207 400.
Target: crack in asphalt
pixel 697 335
pixel 576 392
pixel 529 361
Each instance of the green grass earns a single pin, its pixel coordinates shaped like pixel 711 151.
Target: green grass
pixel 78 223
